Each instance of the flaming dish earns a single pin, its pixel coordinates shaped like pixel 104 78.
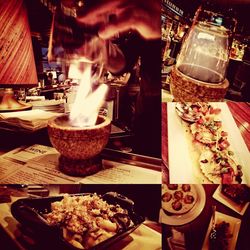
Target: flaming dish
pixel 82 134
pixel 79 146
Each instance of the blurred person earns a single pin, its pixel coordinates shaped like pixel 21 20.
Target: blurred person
pixel 140 21
pixel 50 78
pixel 124 15
pixel 61 78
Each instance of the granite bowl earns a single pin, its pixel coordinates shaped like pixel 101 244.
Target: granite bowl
pixel 78 143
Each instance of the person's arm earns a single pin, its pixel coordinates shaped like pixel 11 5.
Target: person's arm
pixel 115 61
pixel 114 17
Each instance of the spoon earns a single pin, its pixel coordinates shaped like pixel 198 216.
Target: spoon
pixel 213 232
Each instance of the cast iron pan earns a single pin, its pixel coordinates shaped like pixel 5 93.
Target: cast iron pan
pixel 30 213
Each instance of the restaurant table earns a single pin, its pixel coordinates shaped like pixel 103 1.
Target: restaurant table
pixel 240 112
pixel 196 230
pixel 10 140
pixel 135 165
pixel 49 91
pixel 14 236
pixel 233 67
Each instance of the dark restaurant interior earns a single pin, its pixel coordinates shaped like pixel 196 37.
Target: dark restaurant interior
pixel 177 21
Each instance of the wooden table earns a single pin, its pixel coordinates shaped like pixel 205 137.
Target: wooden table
pixel 241 115
pixel 240 112
pixel 195 231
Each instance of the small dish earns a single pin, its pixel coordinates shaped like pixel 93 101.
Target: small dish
pixel 234 228
pixel 178 199
pixel 238 208
pixel 181 219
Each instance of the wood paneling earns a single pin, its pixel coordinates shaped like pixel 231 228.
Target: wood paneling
pixel 17 64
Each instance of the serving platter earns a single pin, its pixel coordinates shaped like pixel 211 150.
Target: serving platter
pixel 29 212
pixel 184 158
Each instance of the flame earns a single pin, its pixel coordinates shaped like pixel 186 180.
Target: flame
pixel 85 109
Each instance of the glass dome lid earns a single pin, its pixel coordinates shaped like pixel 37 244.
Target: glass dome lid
pixel 204 54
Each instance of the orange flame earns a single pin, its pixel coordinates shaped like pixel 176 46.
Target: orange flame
pixel 87 103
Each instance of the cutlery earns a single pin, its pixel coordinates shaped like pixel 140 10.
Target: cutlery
pixel 213 232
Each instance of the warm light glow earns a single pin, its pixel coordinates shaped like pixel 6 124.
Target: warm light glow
pixel 207 36
pixel 204 53
pixel 85 109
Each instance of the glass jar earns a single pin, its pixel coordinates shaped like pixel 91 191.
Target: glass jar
pixel 204 55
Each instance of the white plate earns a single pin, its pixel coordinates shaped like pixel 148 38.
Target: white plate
pixel 233 229
pixel 167 205
pixel 183 168
pixel 47 103
pixel 182 219
pixel 240 209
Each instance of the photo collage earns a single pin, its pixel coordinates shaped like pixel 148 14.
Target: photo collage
pixel 124 124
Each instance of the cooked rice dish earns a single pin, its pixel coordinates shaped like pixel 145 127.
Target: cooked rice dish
pixel 87 220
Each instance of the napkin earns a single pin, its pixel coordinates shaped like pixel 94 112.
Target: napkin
pixel 142 238
pixel 177 240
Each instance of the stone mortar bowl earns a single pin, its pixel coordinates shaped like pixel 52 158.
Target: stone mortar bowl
pixel 78 143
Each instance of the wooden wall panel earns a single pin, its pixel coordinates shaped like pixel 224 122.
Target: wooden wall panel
pixel 17 64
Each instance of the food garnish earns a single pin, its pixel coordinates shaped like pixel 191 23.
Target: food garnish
pixel 217 160
pixel 221 241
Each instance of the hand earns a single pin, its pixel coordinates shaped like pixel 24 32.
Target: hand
pixel 116 16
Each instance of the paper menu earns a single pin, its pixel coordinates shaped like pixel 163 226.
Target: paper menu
pixel 29 120
pixel 39 164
